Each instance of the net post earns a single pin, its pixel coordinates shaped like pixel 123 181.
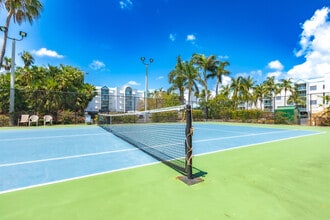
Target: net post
pixel 188 142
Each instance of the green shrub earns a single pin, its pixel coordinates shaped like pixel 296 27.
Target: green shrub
pixel 281 118
pixel 4 120
pixel 165 117
pixel 197 115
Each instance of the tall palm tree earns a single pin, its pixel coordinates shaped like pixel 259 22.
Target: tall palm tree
pixel 7 64
pixel 219 73
pixel 225 90
pixel 235 86
pixel 176 79
pixel 208 66
pixel 295 98
pixel 20 11
pixel 258 94
pixel 246 86
pixel 190 75
pixel 285 84
pixel 27 58
pixel 272 88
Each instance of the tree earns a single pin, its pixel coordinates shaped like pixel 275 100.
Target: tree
pixel 285 84
pixel 176 78
pixel 219 73
pixel 27 58
pixel 184 76
pixel 272 88
pixel 208 67
pixel 7 64
pixel 295 98
pixel 20 11
pixel 258 94
pixel 190 76
pixel 4 92
pixel 245 86
pixel 235 87
pixel 52 89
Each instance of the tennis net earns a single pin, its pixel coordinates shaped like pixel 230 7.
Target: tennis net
pixel 165 134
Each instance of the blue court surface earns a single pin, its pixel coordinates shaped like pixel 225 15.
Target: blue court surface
pixel 31 157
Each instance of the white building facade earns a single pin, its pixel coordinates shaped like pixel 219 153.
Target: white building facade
pixel 118 99
pixel 314 94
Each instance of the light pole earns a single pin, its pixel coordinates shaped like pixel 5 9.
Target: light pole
pixel 143 59
pixel 12 73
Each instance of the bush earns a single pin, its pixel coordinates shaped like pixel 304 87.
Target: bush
pixel 281 118
pixel 69 117
pixel 4 120
pixel 165 117
pixel 197 115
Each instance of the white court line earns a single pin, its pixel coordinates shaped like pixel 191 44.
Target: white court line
pixel 48 137
pixel 221 130
pixel 132 167
pixel 76 178
pixel 255 144
pixel 239 136
pixel 68 157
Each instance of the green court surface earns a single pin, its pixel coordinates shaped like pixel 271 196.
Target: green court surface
pixel 288 179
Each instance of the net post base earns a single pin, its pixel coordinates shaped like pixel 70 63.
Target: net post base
pixel 188 181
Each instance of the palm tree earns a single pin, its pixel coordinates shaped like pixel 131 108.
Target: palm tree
pixel 27 58
pixel 285 84
pixel 7 65
pixel 177 80
pixel 20 11
pixel 295 98
pixel 208 66
pixel 225 90
pixel 190 75
pixel 246 85
pixel 219 73
pixel 258 94
pixel 184 76
pixel 235 87
pixel 272 88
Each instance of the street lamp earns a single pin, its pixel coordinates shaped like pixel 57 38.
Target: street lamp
pixel 12 73
pixel 143 59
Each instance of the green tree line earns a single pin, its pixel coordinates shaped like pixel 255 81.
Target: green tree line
pixel 242 92
pixel 45 90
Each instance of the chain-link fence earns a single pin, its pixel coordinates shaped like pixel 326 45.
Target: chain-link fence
pixel 71 107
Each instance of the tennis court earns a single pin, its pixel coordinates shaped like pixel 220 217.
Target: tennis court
pixel 31 157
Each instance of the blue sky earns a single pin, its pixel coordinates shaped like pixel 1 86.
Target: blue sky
pixel 106 38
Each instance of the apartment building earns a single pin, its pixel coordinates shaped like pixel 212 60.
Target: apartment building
pixel 117 99
pixel 312 92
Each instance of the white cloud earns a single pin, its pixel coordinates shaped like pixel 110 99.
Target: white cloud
pixel 96 65
pixel 223 57
pixel 160 77
pixel 126 4
pixel 191 37
pixel 276 65
pixel 172 37
pixel 276 74
pixel 315 47
pixel 44 52
pixel 226 80
pixel 133 83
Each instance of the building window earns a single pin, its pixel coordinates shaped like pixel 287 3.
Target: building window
pixel 312 88
pixel 128 99
pixel 278 98
pixel 313 102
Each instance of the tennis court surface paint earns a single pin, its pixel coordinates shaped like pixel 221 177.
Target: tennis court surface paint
pixel 31 157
